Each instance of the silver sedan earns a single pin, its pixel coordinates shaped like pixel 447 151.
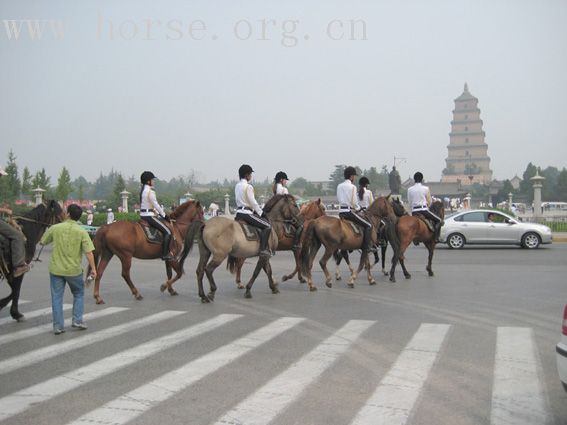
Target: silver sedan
pixel 492 227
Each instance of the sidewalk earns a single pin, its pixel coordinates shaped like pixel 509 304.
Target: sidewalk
pixel 559 236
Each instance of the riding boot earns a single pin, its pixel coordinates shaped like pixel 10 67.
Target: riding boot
pixel 264 240
pixel 165 254
pixel 437 231
pixel 382 236
pixel 297 238
pixel 367 241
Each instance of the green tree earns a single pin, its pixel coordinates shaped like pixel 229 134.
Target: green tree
pixel 26 181
pixel 562 185
pixel 41 180
pixel 337 176
pixel 503 192
pixel 64 187
pixel 526 187
pixel 114 199
pixel 10 185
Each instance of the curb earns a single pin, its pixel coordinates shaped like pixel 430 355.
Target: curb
pixel 559 239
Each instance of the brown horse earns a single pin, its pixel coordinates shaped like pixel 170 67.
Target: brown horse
pixel 126 240
pixel 308 212
pixel 412 228
pixel 335 233
pixel 33 225
pixel 222 237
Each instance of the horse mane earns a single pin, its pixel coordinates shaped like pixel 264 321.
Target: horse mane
pixel 180 210
pixel 399 208
pixel 274 200
pixel 437 208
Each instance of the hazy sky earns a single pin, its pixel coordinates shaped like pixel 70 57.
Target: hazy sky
pixel 139 84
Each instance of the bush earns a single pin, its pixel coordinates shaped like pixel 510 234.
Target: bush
pixel 100 218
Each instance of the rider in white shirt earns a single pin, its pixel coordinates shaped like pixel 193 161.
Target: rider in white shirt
pixel 419 199
pixel 280 182
pixel 248 210
pixel 365 197
pixel 149 206
pixel 349 207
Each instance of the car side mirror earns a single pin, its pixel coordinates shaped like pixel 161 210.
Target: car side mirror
pixel 508 221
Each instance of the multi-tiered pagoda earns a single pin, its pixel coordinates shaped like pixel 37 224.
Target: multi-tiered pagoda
pixel 468 161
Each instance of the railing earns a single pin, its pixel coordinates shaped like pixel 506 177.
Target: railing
pixel 557 223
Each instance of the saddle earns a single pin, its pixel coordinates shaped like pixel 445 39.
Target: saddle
pixel 251 233
pixel 430 225
pixel 5 254
pixel 152 234
pixel 356 229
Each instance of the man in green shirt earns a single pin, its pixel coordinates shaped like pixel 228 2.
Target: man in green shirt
pixel 70 241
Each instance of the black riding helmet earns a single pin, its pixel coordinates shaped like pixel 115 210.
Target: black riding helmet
pixel 349 171
pixel 244 170
pixel 280 175
pixel 363 181
pixel 147 176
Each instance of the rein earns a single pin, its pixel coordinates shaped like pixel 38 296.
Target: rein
pixel 19 217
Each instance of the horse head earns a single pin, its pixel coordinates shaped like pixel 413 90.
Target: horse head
pixel 382 208
pixel 398 207
pixel 188 211
pixel 438 209
pixel 312 210
pixel 53 212
pixel 282 208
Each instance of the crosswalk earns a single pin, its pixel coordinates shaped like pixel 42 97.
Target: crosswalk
pixel 518 395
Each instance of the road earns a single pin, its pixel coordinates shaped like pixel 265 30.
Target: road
pixel 473 345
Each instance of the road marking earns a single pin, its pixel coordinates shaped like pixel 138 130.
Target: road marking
pixel 517 395
pixel 63 347
pixel 395 396
pixel 266 403
pixel 38 330
pixel 22 400
pixel 33 314
pixel 131 405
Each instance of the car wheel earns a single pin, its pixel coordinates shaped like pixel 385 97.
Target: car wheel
pixel 456 241
pixel 531 240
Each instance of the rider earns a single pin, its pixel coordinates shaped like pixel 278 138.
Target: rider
pixel 419 199
pixel 280 182
pixel 349 207
pixel 149 204
pixel 17 242
pixel 365 197
pixel 248 209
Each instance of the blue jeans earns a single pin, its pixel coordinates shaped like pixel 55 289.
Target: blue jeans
pixel 77 285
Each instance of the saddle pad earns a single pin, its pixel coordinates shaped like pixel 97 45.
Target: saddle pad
pixel 427 222
pixel 355 228
pixel 152 234
pixel 251 233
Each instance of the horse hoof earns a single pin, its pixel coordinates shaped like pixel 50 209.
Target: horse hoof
pixel 275 291
pixel 329 284
pixel 350 285
pixel 139 297
pixel 313 289
pixel 18 317
pixel 339 277
pixel 431 274
pixel 302 280
pixel 393 279
pixel 407 276
pixel 372 282
pixel 173 293
pixel 100 301
pixel 205 300
pixel 385 272
pixel 211 296
pixel 284 278
pixel 240 286
pixel 247 294
pixel 163 287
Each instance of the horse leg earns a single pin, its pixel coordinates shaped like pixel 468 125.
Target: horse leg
pixel 204 256
pixel 338 258
pixel 169 281
pixel 383 253
pixel 271 281
pixel 209 269
pixel 104 260
pixel 431 248
pixel 126 264
pixel 371 280
pixel 407 275
pixel 323 263
pixel 239 264
pixel 296 270
pixel 361 264
pixel 14 310
pixel 259 266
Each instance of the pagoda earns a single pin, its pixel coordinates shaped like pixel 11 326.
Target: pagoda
pixel 467 161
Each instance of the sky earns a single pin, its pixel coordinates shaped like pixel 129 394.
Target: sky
pixel 182 86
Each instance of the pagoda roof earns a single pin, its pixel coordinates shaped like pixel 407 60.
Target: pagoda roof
pixel 466 95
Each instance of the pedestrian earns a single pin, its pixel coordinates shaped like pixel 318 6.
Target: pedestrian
pixel 109 216
pixel 90 218
pixel 17 242
pixel 70 241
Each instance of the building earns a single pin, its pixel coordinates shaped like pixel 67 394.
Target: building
pixel 467 161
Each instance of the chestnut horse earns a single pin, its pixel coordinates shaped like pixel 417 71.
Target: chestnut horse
pixel 126 240
pixel 222 237
pixel 33 225
pixel 411 228
pixel 335 233
pixel 308 212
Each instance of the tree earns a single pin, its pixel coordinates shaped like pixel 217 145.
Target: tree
pixel 64 187
pixel 526 185
pixel 26 181
pixel 115 199
pixel 562 185
pixel 10 185
pixel 41 180
pixel 503 192
pixel 337 176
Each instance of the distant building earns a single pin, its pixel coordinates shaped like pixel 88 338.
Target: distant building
pixel 515 181
pixel 467 161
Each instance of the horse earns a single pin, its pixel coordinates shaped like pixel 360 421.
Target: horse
pixel 412 228
pixel 308 211
pixel 222 237
pixel 127 240
pixel 33 225
pixel 335 233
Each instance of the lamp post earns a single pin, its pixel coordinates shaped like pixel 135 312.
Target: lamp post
pixel 38 195
pixel 537 182
pixel 510 201
pixel 226 205
pixel 124 196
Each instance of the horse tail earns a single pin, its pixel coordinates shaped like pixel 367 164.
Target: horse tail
pixel 311 245
pixel 193 231
pixel 392 236
pixel 98 245
pixel 232 264
pixel 337 256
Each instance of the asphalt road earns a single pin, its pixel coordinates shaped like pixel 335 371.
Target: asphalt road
pixel 473 345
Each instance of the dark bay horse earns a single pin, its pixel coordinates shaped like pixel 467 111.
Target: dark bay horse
pixel 127 240
pixel 223 237
pixel 308 212
pixel 33 224
pixel 412 228
pixel 336 234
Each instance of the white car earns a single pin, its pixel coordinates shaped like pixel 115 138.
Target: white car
pixel 562 352
pixel 492 227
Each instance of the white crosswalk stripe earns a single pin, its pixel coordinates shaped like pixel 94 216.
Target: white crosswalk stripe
pixel 142 399
pixel 37 330
pixel 398 391
pixel 35 356
pixel 24 399
pixel 33 314
pixel 266 403
pixel 517 395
